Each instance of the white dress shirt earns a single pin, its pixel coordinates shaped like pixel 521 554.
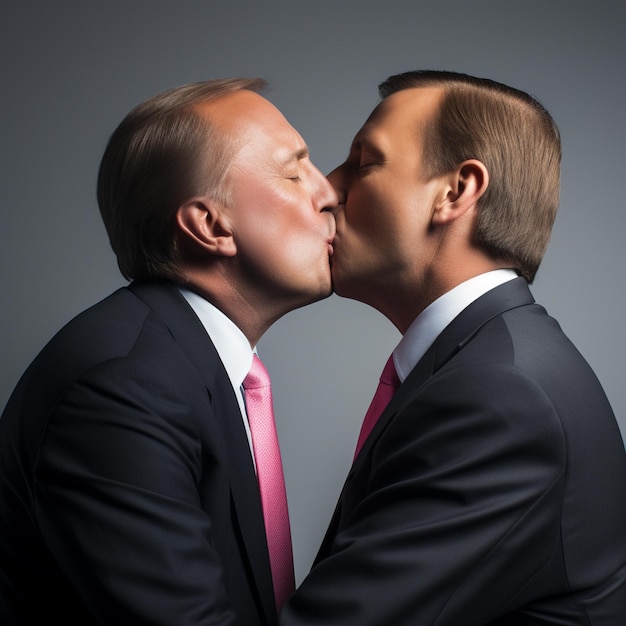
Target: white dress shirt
pixel 231 344
pixel 428 325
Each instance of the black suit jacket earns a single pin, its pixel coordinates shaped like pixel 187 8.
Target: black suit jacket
pixel 127 489
pixel 491 491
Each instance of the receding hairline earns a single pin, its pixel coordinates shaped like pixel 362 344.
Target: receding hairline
pixel 211 99
pixel 192 94
pixel 451 82
pixel 184 99
pixel 368 130
pixel 434 93
pixel 221 115
pixel 215 112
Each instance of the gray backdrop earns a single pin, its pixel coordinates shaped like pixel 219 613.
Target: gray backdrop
pixel 72 70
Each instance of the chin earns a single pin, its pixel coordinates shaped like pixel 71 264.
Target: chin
pixel 320 291
pixel 326 291
pixel 310 298
pixel 350 287
pixel 337 283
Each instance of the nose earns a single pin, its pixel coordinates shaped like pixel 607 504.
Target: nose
pixel 333 200
pixel 335 178
pixel 328 199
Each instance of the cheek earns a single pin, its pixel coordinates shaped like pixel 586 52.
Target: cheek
pixel 278 216
pixel 258 211
pixel 378 230
pixel 366 211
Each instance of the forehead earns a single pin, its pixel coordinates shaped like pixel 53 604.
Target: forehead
pixel 247 117
pixel 403 112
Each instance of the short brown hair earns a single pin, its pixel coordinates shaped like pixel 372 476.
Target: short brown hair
pixel 514 136
pixel 163 153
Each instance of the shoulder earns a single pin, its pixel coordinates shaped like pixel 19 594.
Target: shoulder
pixel 481 405
pixel 119 345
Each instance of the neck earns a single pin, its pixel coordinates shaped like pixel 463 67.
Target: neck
pixel 404 303
pixel 253 313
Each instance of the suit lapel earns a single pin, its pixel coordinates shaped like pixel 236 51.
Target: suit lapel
pixel 189 333
pixel 457 334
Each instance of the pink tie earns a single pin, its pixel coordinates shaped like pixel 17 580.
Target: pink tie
pixel 387 386
pixel 269 467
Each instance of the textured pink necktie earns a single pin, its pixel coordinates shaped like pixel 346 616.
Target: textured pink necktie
pixel 387 386
pixel 269 467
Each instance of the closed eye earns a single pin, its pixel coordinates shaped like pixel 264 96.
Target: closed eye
pixel 366 167
pixel 365 155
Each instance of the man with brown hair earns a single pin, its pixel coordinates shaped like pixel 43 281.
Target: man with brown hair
pixel 133 480
pixel 492 487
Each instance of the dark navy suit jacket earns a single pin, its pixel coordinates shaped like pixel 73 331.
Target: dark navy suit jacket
pixel 491 491
pixel 127 489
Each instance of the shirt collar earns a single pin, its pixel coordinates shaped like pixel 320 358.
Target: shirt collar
pixel 428 325
pixel 231 344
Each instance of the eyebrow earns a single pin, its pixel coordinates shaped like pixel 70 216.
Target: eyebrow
pixel 364 141
pixel 297 155
pixel 303 153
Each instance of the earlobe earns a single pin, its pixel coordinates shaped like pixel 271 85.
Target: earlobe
pixel 463 188
pixel 202 226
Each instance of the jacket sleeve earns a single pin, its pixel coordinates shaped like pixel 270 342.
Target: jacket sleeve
pixel 450 514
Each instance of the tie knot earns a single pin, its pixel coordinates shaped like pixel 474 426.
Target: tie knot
pixel 257 377
pixel 389 375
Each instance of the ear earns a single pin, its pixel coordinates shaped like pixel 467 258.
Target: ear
pixel 202 225
pixel 463 187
